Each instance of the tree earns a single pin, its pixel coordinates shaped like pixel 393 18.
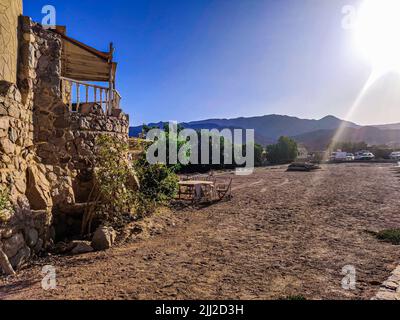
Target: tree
pixel 258 155
pixel 285 151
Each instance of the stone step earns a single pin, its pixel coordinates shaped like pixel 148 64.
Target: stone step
pixel 75 208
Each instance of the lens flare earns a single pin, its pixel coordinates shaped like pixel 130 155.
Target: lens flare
pixel 377 34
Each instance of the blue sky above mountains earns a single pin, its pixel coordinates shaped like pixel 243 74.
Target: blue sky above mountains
pixel 190 60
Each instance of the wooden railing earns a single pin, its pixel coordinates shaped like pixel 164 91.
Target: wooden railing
pixel 76 93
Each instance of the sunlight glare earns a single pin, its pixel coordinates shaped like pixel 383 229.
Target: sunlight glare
pixel 378 34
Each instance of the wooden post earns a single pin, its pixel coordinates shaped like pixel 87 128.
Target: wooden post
pixel 77 96
pixel 87 94
pixel 63 95
pixel 107 100
pixel 70 95
pixel 111 80
pixel 101 98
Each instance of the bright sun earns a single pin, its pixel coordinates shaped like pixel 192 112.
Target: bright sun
pixel 378 34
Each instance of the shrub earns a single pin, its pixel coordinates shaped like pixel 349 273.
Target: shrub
pixel 5 204
pixel 158 185
pixel 115 177
pixel 121 187
pixel 391 235
pixel 115 183
pixel 258 155
pixel 285 151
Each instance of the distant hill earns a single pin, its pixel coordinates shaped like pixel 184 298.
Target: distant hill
pixel 319 140
pixel 267 128
pixel 393 126
pixel 314 134
pixel 271 127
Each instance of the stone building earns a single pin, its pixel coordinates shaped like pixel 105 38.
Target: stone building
pixel 50 115
pixel 10 10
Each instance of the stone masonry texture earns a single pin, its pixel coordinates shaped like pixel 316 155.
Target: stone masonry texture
pixel 45 149
pixel 10 10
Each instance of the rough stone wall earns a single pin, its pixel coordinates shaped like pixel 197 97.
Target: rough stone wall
pixel 26 229
pixel 16 138
pixel 64 140
pixel 9 12
pixel 16 150
pixel 46 150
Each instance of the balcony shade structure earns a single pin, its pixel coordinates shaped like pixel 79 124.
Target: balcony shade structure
pixel 80 64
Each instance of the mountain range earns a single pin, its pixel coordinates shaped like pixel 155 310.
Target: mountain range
pixel 315 135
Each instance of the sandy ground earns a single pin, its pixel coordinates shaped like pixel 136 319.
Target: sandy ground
pixel 283 234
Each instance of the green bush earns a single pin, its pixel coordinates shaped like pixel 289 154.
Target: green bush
pixel 285 151
pixel 391 235
pixel 121 187
pixel 5 204
pixel 115 177
pixel 158 184
pixel 115 183
pixel 258 155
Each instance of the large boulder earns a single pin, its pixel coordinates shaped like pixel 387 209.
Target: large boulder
pixel 12 245
pixel 82 247
pixel 38 190
pixel 103 238
pixel 32 237
pixel 5 265
pixel 21 257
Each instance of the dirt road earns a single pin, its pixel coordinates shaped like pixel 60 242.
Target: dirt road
pixel 283 234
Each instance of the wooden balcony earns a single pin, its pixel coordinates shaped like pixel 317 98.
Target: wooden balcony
pixel 83 68
pixel 76 94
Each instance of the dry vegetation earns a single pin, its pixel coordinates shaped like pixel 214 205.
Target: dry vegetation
pixel 285 234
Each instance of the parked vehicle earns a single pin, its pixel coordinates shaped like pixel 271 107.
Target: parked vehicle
pixel 340 156
pixel 395 155
pixel 364 156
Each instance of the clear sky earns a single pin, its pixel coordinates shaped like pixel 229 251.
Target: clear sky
pixel 197 59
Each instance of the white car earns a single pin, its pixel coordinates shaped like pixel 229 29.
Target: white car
pixel 339 156
pixel 395 155
pixel 342 156
pixel 364 155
